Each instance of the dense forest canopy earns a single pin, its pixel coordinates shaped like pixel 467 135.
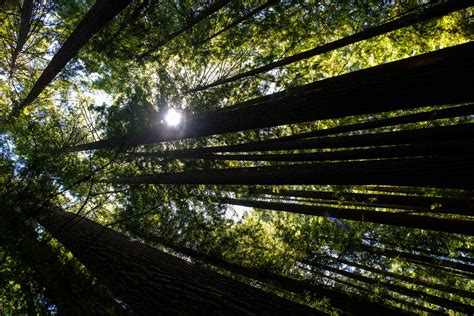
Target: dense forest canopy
pixel 244 156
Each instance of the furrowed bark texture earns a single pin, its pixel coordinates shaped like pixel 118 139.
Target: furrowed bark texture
pixel 431 79
pixel 152 282
pixel 338 299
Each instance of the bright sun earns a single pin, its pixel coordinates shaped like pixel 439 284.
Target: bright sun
pixel 172 117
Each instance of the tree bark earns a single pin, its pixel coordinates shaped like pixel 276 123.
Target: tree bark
pixel 338 299
pixel 431 79
pixel 153 282
pixel 399 151
pixel 101 13
pixel 433 204
pixel 429 13
pixel 451 172
pixel 387 218
pixel 458 132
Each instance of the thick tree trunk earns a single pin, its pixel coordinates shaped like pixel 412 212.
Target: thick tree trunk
pixel 446 303
pixel 433 204
pixel 213 8
pixel 340 300
pixel 451 171
pixel 72 291
pixel 431 79
pixel 97 18
pixel 400 151
pixel 242 19
pixel 152 282
pixel 387 218
pixel 24 29
pixel 425 14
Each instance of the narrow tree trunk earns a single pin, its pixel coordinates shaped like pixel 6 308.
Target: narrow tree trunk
pixel 347 303
pixel 152 282
pixel 440 287
pixel 430 79
pixel 452 171
pixel 242 19
pixel 97 18
pixel 429 13
pixel 387 218
pixel 443 302
pixel 434 204
pixel 213 8
pixel 416 258
pixel 24 29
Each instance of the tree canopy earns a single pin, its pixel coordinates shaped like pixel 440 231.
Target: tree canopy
pixel 239 157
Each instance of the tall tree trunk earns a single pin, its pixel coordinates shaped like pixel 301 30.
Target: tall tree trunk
pixel 424 14
pixel 431 79
pixel 387 218
pixel 434 204
pixel 97 18
pixel 454 111
pixel 347 303
pixel 446 303
pixel 213 8
pixel 400 151
pixel 242 18
pixel 151 281
pixel 458 132
pixel 24 29
pixel 71 290
pixel 451 171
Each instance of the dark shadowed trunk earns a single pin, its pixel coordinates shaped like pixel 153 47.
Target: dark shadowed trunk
pixel 460 132
pixel 430 79
pixel 424 14
pixel 152 282
pixel 96 18
pixel 450 171
pixel 401 151
pixel 338 299
pixel 428 203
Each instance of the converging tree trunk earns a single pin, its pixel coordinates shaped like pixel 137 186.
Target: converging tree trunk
pixel 24 29
pixel 443 172
pixel 151 281
pixel 436 78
